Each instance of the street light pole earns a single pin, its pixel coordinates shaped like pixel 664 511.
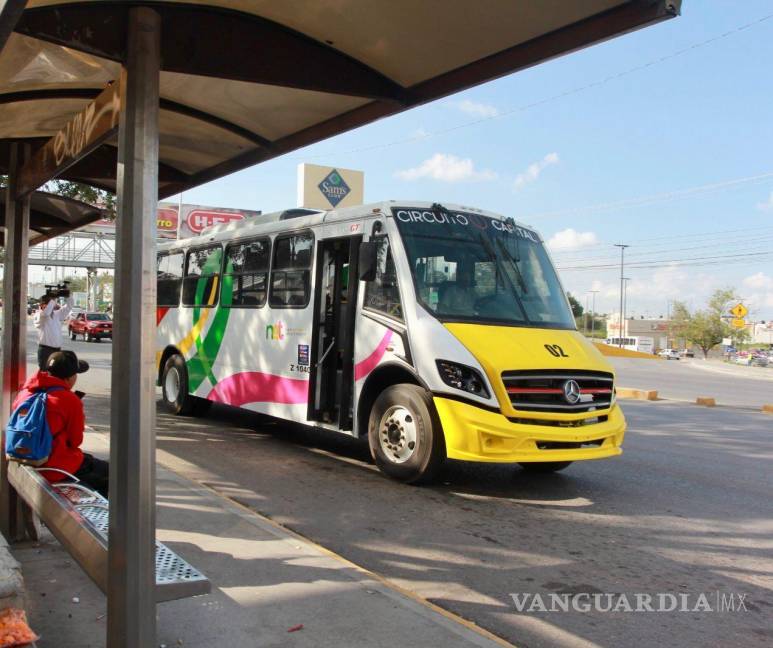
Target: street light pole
pixel 625 295
pixel 593 313
pixel 622 263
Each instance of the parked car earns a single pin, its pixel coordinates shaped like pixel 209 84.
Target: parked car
pixel 687 353
pixel 759 359
pixel 669 354
pixel 743 358
pixel 92 326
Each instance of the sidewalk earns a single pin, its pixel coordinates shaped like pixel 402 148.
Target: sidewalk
pixel 731 369
pixel 269 587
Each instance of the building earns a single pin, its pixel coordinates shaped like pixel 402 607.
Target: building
pixel 761 333
pixel 657 329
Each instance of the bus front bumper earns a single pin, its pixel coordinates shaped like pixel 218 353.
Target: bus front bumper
pixel 475 434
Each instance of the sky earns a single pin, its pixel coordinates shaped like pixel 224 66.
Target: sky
pixel 661 139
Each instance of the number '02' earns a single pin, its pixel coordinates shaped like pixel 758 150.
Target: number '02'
pixel 556 350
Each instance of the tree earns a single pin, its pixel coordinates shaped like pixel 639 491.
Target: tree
pixel 577 308
pixel 680 320
pixel 85 193
pixel 77 284
pixel 706 328
pixel 78 191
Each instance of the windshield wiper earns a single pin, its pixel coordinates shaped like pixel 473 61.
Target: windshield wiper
pixel 521 281
pixel 490 250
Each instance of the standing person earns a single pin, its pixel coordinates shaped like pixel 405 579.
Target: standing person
pixel 66 420
pixel 48 320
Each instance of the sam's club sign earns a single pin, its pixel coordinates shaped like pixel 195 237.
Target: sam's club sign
pixel 334 187
pixel 328 187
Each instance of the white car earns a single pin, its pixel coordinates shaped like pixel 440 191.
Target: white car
pixel 669 354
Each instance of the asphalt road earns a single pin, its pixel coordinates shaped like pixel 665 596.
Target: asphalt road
pixel 686 510
pixel 732 385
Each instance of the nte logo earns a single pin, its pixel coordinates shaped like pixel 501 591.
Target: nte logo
pixel 275 331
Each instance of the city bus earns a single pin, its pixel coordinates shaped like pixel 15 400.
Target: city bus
pixel 435 331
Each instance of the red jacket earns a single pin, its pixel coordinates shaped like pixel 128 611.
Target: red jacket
pixel 64 411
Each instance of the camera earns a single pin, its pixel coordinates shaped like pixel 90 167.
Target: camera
pixel 58 290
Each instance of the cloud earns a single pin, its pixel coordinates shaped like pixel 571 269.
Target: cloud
pixel 533 171
pixel 477 109
pixel 762 285
pixel 571 239
pixel 446 168
pixel 767 205
pixel 759 281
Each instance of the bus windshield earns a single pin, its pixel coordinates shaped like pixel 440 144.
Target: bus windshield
pixel 471 268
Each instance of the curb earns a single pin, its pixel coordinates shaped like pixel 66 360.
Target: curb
pixel 637 394
pixel 12 593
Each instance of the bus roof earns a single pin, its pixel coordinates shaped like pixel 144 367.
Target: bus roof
pixel 298 218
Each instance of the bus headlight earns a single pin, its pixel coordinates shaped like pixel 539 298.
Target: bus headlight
pixel 462 377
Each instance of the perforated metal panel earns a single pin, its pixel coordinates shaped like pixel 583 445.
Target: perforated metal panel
pixel 171 570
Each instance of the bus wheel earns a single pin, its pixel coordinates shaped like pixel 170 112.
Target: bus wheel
pixel 404 434
pixel 544 466
pixel 174 387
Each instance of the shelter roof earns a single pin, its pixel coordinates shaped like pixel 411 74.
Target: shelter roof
pixel 243 81
pixel 52 215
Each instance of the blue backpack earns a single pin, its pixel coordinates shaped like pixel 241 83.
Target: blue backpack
pixel 27 437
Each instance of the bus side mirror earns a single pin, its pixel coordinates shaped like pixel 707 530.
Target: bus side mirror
pixel 367 260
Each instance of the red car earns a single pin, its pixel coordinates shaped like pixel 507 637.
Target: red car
pixel 92 326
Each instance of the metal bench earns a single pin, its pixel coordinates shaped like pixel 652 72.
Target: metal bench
pixel 78 517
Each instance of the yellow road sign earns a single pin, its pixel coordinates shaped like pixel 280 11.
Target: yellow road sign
pixel 738 322
pixel 740 311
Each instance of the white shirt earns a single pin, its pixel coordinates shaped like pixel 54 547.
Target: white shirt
pixel 49 323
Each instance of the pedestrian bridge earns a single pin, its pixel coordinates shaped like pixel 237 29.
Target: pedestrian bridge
pixel 76 250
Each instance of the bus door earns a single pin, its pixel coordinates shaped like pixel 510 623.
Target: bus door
pixel 332 344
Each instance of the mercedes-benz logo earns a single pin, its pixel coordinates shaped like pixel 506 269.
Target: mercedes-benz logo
pixel 571 392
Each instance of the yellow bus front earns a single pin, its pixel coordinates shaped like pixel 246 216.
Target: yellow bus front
pixel 489 302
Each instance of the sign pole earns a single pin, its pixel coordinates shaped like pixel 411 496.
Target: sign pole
pixel 131 591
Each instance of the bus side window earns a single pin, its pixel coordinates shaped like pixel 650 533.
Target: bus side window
pixel 202 274
pixel 169 276
pixel 382 294
pixel 291 271
pixel 246 273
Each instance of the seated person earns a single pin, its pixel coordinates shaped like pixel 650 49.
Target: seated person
pixel 66 420
pixel 456 298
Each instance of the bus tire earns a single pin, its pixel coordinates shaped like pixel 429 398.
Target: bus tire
pixel 544 466
pixel 174 387
pixel 405 436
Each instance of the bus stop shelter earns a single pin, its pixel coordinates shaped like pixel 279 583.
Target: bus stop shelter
pixel 148 99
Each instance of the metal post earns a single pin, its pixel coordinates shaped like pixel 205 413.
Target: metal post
pixel 620 328
pixel 625 298
pixel 131 600
pixel 593 316
pixel 17 224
